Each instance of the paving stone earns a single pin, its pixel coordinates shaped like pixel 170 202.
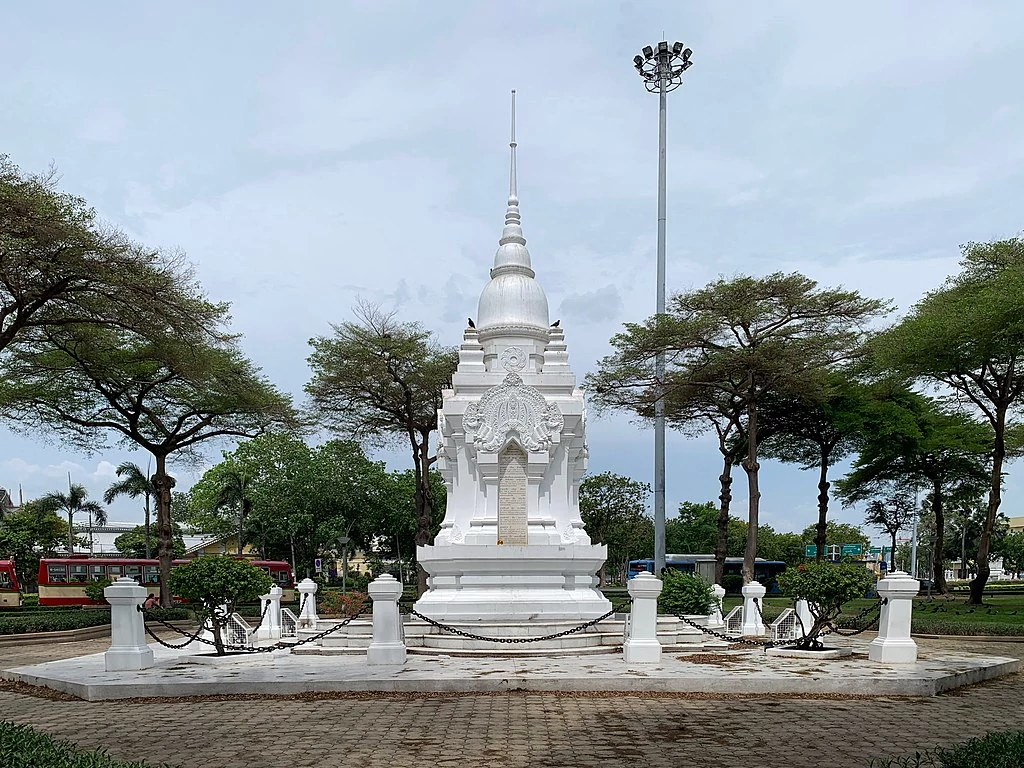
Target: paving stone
pixel 517 729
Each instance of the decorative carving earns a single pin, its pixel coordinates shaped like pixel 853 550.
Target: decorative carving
pixel 458 536
pixel 512 409
pixel 513 359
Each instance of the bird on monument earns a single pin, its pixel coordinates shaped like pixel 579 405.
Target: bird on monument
pixel 469 320
pixel 555 324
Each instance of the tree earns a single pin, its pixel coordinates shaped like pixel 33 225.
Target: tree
pixel 302 499
pixel 133 483
pixel 30 533
pixel 61 267
pixel 166 394
pixel 72 503
pixel 745 339
pixel 1013 552
pixel 234 494
pixel 968 336
pixel 909 439
pixel 611 506
pixel 826 587
pixel 815 429
pixel 135 543
pixel 379 379
pixel 892 514
pixel 837 534
pixel 215 581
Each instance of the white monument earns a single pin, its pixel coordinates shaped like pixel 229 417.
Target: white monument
pixel 513 450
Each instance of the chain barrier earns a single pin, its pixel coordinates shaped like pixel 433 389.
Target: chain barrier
pixel 278 646
pixel 766 644
pixel 516 640
pixel 838 628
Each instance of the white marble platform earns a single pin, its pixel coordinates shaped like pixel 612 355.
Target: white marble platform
pixel 749 672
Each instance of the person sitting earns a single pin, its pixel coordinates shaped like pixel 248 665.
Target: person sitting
pixel 151 602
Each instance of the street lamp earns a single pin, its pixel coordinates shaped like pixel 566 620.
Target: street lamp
pixel 661 66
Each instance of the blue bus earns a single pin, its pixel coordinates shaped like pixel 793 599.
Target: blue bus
pixel 765 571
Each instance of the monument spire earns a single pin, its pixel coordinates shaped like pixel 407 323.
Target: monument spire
pixel 513 231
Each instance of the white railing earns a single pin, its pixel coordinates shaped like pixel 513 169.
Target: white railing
pixel 289 623
pixel 734 621
pixel 238 631
pixel 785 626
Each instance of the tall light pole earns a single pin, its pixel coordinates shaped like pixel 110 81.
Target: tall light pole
pixel 661 68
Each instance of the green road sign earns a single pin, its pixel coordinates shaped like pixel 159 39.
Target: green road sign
pixel 875 551
pixel 810 550
pixel 852 549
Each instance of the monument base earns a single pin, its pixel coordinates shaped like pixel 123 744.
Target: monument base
pixel 481 582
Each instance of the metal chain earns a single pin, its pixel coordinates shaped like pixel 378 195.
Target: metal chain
pixel 837 628
pixel 731 639
pixel 515 640
pixel 244 648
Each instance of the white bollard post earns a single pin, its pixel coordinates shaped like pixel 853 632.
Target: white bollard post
pixel 270 604
pixel 894 644
pixel 804 620
pixel 752 624
pixel 716 620
pixel 388 645
pixel 307 600
pixel 642 646
pixel 128 649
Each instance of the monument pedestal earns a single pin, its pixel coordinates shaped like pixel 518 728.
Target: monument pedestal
pixel 480 582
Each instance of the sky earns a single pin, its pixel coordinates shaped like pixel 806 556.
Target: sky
pixel 308 155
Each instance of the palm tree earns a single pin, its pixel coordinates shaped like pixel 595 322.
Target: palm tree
pixel 234 492
pixel 133 484
pixel 72 503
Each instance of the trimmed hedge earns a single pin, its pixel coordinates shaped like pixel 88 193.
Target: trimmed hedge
pixel 994 750
pixel 23 747
pixel 935 626
pixel 62 621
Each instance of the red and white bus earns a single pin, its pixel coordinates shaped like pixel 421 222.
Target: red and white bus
pixel 62 580
pixel 10 594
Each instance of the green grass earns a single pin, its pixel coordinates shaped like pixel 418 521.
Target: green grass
pixel 23 747
pixel 1000 614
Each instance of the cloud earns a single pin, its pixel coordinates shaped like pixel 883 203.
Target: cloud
pixel 593 306
pixel 104 125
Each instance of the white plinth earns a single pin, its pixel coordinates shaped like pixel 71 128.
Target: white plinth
pixel 481 582
pixel 388 646
pixel 753 597
pixel 642 646
pixel 894 644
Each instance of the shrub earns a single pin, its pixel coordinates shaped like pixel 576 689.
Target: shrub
pixel 685 593
pixel 23 747
pixel 94 590
pixel 732 583
pixel 826 586
pixel 994 750
pixel 210 582
pixel 334 603
pixel 56 621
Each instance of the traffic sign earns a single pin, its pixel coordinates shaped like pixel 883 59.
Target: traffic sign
pixel 852 549
pixel 875 551
pixel 810 550
pixel 318 565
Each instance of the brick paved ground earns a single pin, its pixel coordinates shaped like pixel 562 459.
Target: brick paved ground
pixel 496 731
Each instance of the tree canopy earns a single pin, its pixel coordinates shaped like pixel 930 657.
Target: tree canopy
pixel 968 337
pixel 614 512
pixel 167 394
pixel 744 338
pixel 380 380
